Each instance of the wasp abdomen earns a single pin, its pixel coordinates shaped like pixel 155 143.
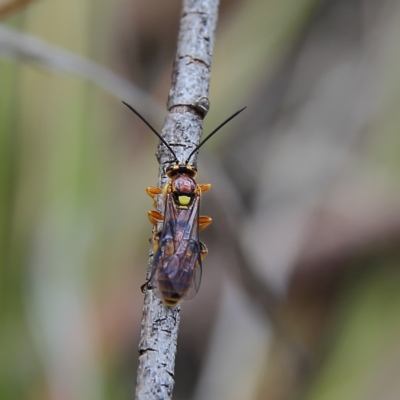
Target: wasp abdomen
pixel 172 291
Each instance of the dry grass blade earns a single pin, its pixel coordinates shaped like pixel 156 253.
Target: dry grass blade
pixel 22 47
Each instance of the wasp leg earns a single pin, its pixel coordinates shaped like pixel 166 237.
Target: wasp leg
pixel 153 192
pixel 145 286
pixel 155 239
pixel 152 238
pixel 204 222
pixel 203 251
pixel 155 217
pixel 205 187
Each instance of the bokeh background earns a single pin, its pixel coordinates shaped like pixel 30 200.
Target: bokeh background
pixel 300 296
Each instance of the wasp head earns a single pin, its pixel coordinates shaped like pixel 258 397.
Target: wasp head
pixel 180 169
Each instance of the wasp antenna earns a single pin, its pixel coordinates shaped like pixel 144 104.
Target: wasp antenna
pixel 213 132
pixel 148 124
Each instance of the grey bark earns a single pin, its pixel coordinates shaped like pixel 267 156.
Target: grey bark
pixel 187 105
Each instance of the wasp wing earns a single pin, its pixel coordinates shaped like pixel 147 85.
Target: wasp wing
pixel 177 264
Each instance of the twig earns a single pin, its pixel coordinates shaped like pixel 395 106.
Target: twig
pixel 187 104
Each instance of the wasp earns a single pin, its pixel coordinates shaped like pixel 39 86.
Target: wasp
pixel 178 252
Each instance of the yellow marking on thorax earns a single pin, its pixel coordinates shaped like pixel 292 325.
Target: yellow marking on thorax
pixel 184 200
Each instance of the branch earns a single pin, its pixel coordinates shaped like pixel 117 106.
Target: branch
pixel 187 104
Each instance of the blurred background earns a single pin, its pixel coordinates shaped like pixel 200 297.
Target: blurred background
pixel 300 296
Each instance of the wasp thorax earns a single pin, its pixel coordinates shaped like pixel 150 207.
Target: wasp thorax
pixel 183 189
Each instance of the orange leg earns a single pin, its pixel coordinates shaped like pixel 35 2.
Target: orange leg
pixel 153 192
pixel 155 239
pixel 203 251
pixel 204 222
pixel 205 187
pixel 155 217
